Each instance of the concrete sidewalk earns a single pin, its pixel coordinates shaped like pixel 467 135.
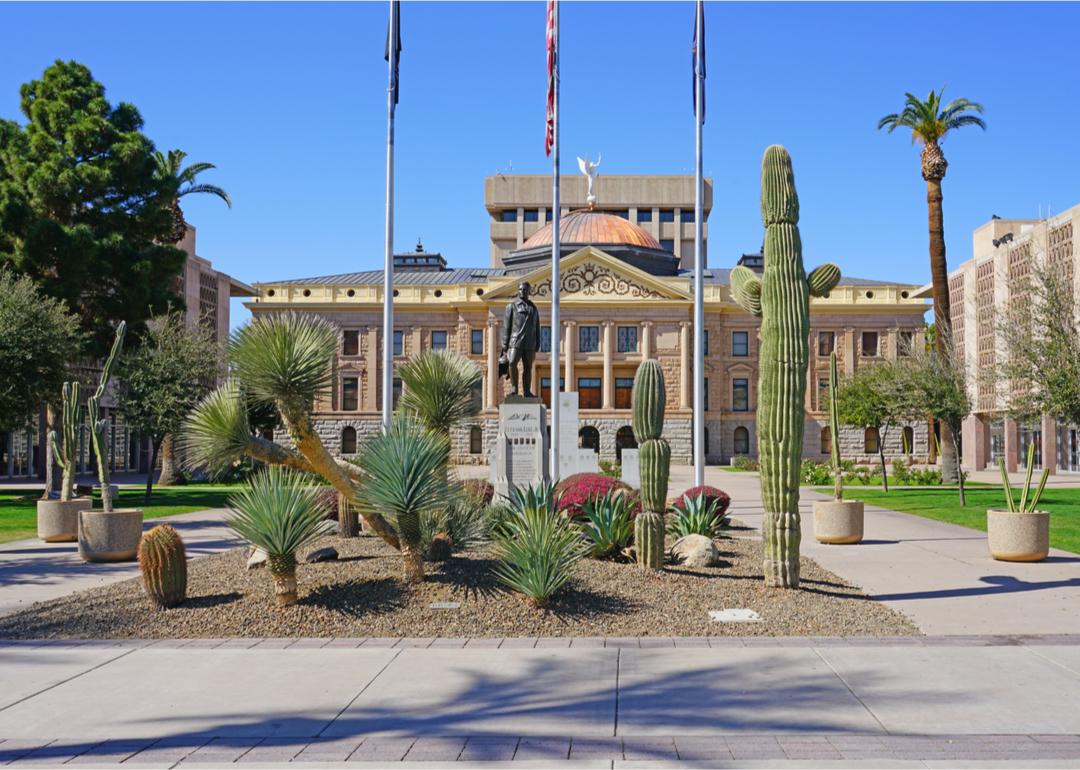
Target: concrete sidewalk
pixel 902 702
pixel 33 571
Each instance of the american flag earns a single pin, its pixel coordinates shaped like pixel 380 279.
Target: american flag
pixel 549 137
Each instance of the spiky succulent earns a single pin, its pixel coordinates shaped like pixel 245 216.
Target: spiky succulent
pixel 607 523
pixel 279 511
pixel 439 389
pixel 698 515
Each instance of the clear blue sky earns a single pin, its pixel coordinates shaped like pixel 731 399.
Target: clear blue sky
pixel 289 101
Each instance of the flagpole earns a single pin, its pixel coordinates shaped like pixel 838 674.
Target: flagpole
pixel 699 261
pixel 556 275
pixel 388 256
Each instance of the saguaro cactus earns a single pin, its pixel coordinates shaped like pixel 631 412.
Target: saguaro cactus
pixel 163 563
pixel 648 400
pixel 64 451
pixel 781 298
pixel 98 425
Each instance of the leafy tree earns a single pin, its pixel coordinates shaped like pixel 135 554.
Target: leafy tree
pixel 930 121
pixel 875 396
pixel 38 338
pixel 179 180
pixel 163 380
pixel 83 211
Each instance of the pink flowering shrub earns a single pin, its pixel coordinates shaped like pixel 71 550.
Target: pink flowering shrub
pixel 574 491
pixel 710 493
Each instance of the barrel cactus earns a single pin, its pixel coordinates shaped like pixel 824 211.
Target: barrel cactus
pixel 163 563
pixel 648 399
pixel 781 298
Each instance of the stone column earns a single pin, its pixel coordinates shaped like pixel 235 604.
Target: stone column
pixel 849 350
pixel 1049 443
pixel 646 340
pixel 609 375
pixel 417 341
pixel 491 398
pixel 371 383
pixel 975 439
pixel 892 337
pixel 570 348
pixel 684 363
pixel 1012 444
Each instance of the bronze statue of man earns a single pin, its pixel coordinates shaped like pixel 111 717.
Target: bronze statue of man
pixel 520 339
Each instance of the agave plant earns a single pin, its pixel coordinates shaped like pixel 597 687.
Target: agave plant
pixel 543 495
pixel 438 388
pixel 697 515
pixel 280 512
pixel 536 548
pixel 608 523
pixel 405 477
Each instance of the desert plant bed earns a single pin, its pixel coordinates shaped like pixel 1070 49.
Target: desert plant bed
pixel 362 594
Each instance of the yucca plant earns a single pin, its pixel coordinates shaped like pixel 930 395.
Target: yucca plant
pixel 607 523
pixel 696 516
pixel 1027 501
pixel 280 512
pixel 404 478
pixel 460 523
pixel 438 389
pixel 536 548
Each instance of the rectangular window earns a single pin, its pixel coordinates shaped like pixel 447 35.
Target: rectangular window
pixel 627 339
pixel 826 343
pixel 905 342
pixel 545 389
pixel 438 340
pixel 477 342
pixel 869 344
pixel 705 340
pixel 350 342
pixel 667 244
pixel 686 215
pixel 706 393
pixel 545 339
pixel 823 395
pixel 399 342
pixel 532 215
pixel 350 394
pixel 667 215
pixel 588 339
pixel 644 215
pixel 621 213
pixel 476 394
pixel 397 391
pixel 508 215
pixel 547 215
pixel 740 344
pixel 740 395
pixel 624 387
pixel 589 395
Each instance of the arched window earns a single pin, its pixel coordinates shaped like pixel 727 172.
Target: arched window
pixel 348 440
pixel 741 441
pixel 624 439
pixel 826 440
pixel 589 438
pixel 476 440
pixel 871 441
pixel 909 439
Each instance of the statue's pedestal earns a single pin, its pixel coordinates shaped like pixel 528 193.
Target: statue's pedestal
pixel 520 455
pixel 631 468
pixel 572 458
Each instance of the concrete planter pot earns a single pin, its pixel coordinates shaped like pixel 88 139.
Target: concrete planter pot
pixel 1018 536
pixel 58 520
pixel 838 522
pixel 110 536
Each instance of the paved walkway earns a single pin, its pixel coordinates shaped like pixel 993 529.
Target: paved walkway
pixel 33 571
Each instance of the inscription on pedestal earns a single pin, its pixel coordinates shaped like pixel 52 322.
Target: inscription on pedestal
pixel 520 455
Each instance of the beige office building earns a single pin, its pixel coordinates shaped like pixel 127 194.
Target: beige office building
pixel 1003 252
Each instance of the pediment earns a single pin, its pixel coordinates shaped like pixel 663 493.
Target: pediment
pixel 592 275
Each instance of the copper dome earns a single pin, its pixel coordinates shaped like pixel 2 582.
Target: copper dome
pixel 593 227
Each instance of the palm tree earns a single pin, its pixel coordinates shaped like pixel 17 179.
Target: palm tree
pixel 439 389
pixel 930 122
pixel 178 181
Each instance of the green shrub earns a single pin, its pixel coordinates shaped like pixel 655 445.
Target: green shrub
pixel 608 524
pixel 900 472
pixel 696 516
pixel 815 474
pixel 536 548
pixel 858 474
pixel 744 463
pixel 613 470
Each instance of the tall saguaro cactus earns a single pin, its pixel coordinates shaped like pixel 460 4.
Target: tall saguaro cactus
pixel 98 425
pixel 781 298
pixel 64 451
pixel 648 401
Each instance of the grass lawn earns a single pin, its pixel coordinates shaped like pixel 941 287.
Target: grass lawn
pixel 944 505
pixel 18 508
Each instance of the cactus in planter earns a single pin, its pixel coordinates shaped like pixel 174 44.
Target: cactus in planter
pixel 163 563
pixel 781 298
pixel 834 430
pixel 648 400
pixel 64 451
pixel 98 425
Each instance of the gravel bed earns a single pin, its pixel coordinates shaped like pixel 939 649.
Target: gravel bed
pixel 361 595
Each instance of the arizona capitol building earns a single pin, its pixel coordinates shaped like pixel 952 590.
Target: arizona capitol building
pixel 626 297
